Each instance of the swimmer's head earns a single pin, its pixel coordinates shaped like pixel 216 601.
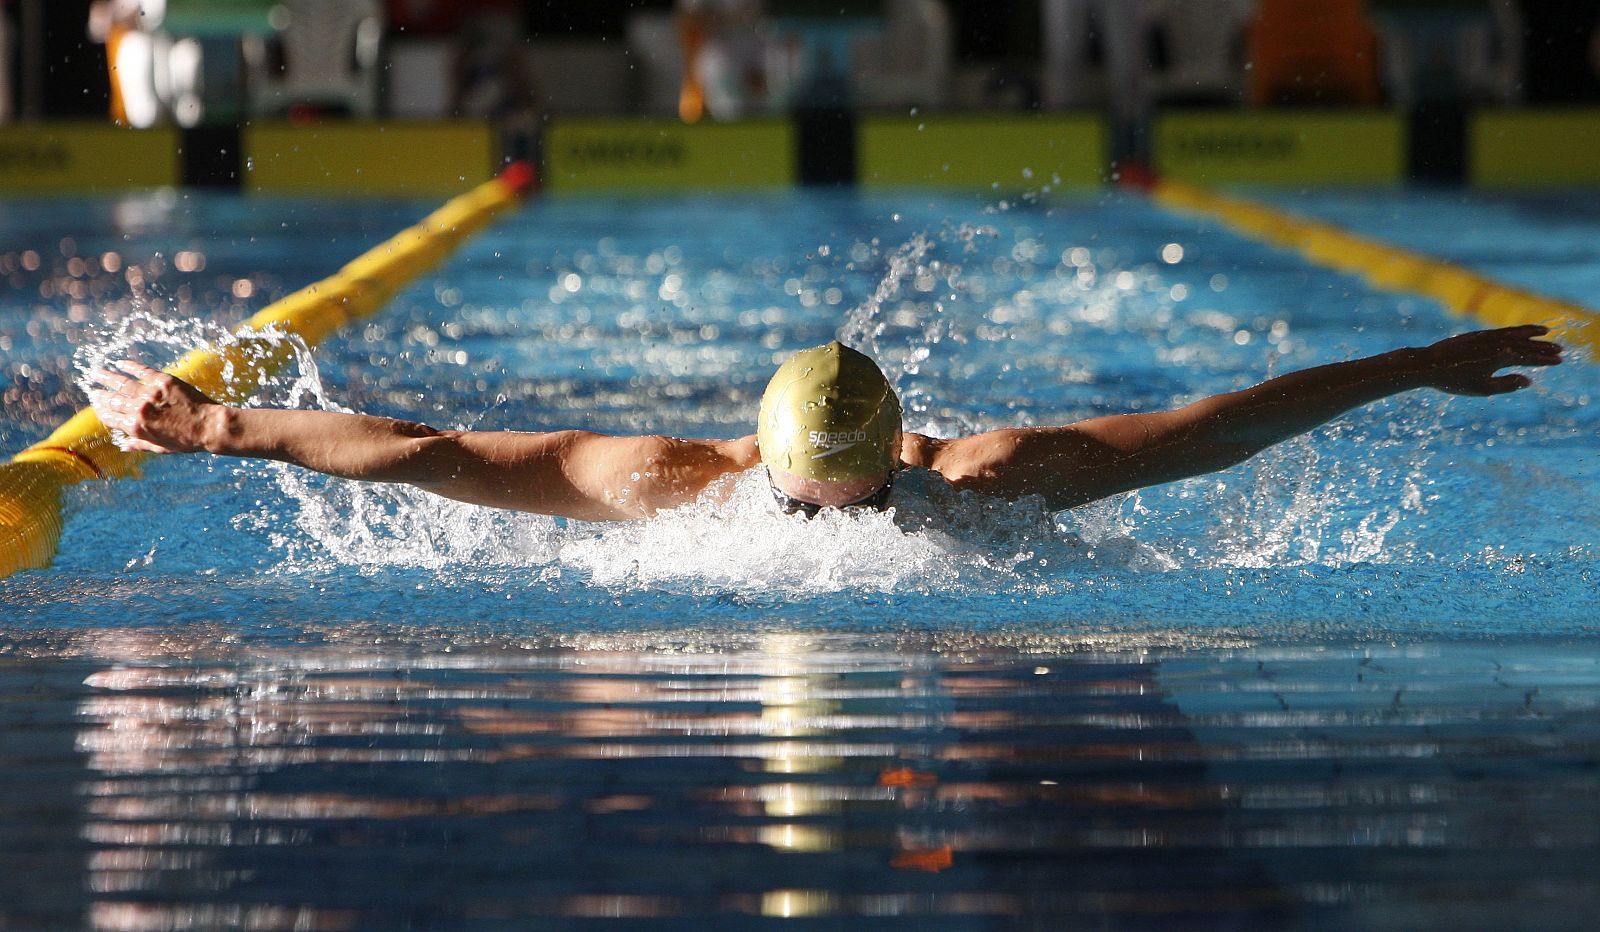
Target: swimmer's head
pixel 829 429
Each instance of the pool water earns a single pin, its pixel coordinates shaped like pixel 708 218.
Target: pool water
pixel 1353 682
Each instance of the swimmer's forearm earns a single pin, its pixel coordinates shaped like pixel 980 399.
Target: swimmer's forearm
pixel 1465 364
pixel 1245 422
pixel 1079 463
pixel 350 446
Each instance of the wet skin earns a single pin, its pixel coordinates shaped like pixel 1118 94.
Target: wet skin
pixel 592 477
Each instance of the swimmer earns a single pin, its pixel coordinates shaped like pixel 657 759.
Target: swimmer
pixel 828 436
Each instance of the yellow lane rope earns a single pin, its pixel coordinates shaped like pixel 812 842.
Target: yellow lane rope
pixel 81 448
pixel 1385 266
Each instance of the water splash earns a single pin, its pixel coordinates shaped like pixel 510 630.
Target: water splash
pixel 900 336
pixel 733 540
pixel 159 342
pixel 1110 530
pixel 1294 506
pixel 368 525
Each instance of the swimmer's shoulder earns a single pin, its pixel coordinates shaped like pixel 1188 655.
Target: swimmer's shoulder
pixel 954 461
pixel 919 451
pixel 741 451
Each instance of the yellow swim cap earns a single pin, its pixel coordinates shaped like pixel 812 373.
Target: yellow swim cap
pixel 829 414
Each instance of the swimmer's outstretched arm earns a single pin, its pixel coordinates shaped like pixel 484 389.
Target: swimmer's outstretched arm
pixel 1089 460
pixel 573 474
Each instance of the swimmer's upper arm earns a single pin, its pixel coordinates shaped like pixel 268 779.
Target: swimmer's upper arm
pixel 1079 463
pixel 574 474
pixel 569 473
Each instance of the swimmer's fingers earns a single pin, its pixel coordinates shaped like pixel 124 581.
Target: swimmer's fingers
pixel 164 384
pixel 113 409
pixel 1509 346
pixel 134 379
pixel 114 412
pixel 141 381
pixel 143 446
pixel 119 411
pixel 1524 337
pixel 146 375
pixel 1467 363
pixel 1538 353
pixel 1519 348
pixel 146 409
pixel 106 380
pixel 115 396
pixel 107 404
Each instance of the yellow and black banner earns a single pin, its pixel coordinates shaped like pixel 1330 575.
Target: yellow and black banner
pixel 665 155
pixel 1288 147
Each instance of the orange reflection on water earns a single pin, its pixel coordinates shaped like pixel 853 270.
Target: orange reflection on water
pixel 931 860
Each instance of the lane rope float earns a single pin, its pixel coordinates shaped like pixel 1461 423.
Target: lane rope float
pixel 1391 268
pixel 82 449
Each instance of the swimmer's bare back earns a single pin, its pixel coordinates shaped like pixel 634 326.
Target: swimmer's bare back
pixel 589 476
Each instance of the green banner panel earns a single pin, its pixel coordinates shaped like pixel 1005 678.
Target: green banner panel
pixel 982 152
pixel 664 155
pixel 1527 148
pixel 59 157
pixel 1281 147
pixel 222 17
pixel 399 159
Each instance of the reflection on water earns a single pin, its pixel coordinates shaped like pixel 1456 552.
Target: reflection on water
pixel 914 784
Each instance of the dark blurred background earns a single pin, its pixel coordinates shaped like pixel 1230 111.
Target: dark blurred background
pixel 216 61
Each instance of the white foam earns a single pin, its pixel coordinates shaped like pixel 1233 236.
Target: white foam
pixel 371 525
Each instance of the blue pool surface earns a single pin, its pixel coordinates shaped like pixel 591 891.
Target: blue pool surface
pixel 1353 683
pixel 668 314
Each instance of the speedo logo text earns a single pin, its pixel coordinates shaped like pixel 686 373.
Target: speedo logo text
pixel 832 438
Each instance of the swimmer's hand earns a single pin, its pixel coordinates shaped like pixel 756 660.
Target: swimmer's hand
pixel 1466 364
pixel 152 411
